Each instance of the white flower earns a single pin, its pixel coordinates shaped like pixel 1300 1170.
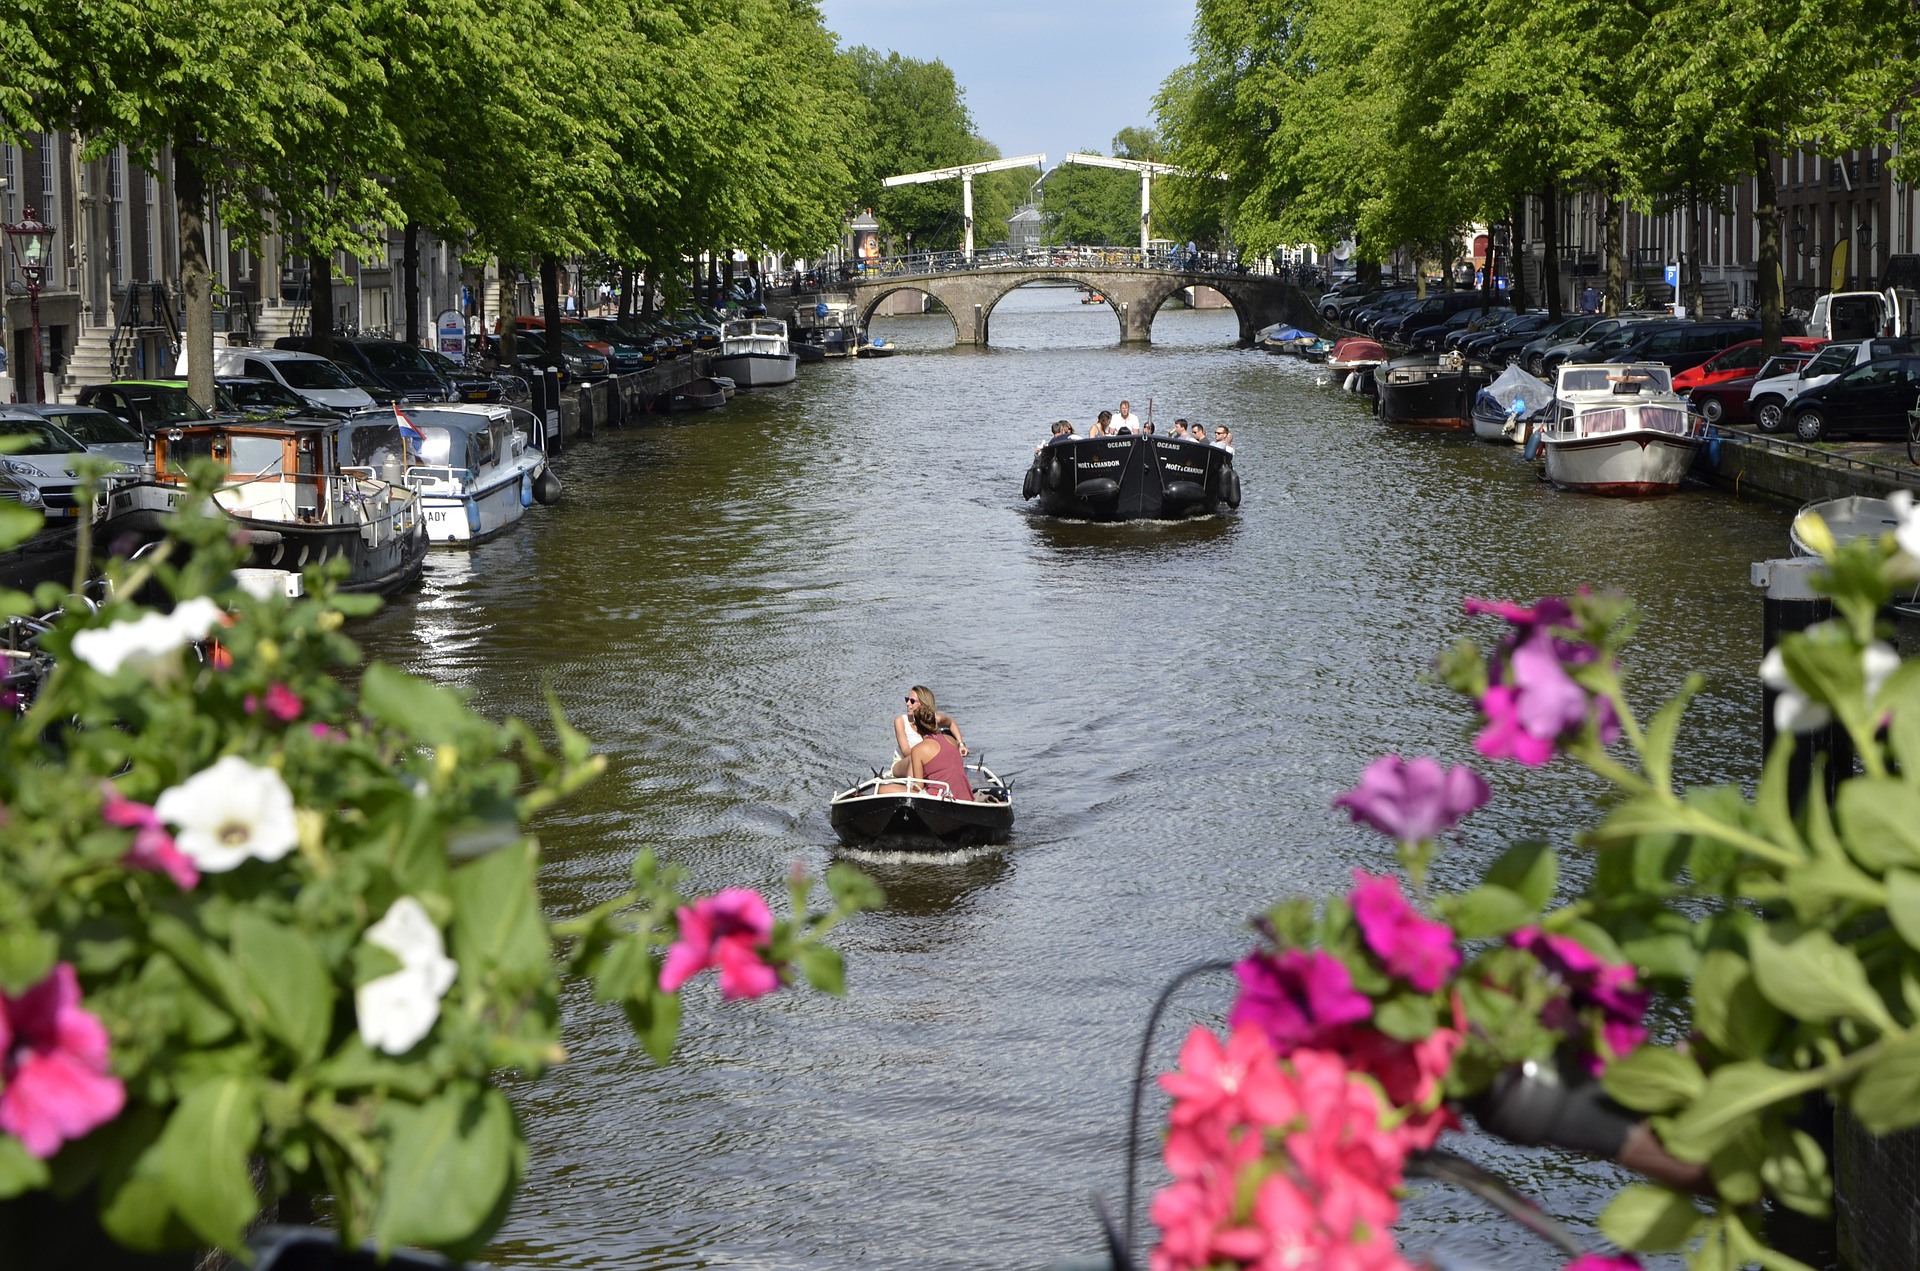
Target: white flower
pixel 397 1010
pixel 149 641
pixel 230 813
pixel 1795 712
pixel 1906 532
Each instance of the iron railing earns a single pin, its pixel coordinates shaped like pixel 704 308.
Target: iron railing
pixel 928 264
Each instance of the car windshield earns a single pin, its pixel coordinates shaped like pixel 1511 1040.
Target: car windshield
pixel 96 428
pixel 1570 328
pixel 311 373
pixel 159 405
pixel 42 437
pixel 355 377
pixel 246 393
pixel 1784 364
pixel 1831 360
pixel 1617 340
pixel 395 357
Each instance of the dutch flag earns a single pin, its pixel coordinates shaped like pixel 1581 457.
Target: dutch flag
pixel 413 436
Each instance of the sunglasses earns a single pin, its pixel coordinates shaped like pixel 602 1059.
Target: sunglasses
pixel 913 701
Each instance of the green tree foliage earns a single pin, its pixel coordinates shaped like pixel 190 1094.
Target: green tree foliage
pixel 1091 206
pixel 915 119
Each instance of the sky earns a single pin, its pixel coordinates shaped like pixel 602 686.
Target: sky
pixel 1041 77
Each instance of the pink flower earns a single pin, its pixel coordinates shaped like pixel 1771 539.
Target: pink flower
pixel 54 1083
pixel 1603 1262
pixel 1220 1089
pixel 1411 1076
pixel 1415 949
pixel 153 848
pixel 1504 737
pixel 1549 611
pixel 1413 801
pixel 728 931
pixel 280 702
pixel 1296 997
pixel 1541 703
pixel 1593 985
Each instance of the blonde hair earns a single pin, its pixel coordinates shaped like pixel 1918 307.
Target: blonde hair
pixel 924 718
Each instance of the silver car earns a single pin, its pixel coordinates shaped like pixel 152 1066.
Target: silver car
pixel 100 432
pixel 49 462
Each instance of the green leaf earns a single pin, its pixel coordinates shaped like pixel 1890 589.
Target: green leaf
pixel 448 1162
pixel 1826 881
pixel 1901 695
pixel 1736 1166
pixel 1815 978
pixel 1487 910
pixel 1529 870
pixel 1651 1079
pixel 1729 1009
pixel 414 706
pixel 356 1067
pixel 496 915
pixel 18 524
pixel 852 889
pixel 1887 1095
pixel 27 954
pixel 135 1208
pixel 1771 798
pixel 1903 905
pixel 1880 821
pixel 823 967
pixel 20 1170
pixel 292 992
pixel 1656 753
pixel 625 971
pixel 1647 864
pixel 1649 1218
pixel 1795 1171
pixel 655 1019
pixel 1735 1094
pixel 203 1153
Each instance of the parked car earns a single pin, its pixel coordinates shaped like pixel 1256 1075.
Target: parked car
pixel 1598 348
pixel 1431 339
pixel 468 386
pixel 1737 361
pixel 1856 315
pixel 1437 307
pixel 1769 397
pixel 402 367
pixel 1725 400
pixel 1684 345
pixel 1569 331
pixel 1480 344
pixel 377 393
pixel 577 361
pixel 318 381
pixel 249 397
pixel 48 462
pixel 1872 397
pixel 99 432
pixel 627 351
pixel 146 405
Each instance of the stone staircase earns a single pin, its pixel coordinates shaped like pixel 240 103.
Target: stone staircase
pixel 91 362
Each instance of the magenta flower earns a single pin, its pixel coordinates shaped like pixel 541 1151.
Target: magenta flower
pixel 1297 997
pixel 153 848
pixel 1527 716
pixel 728 930
pixel 280 702
pixel 1548 611
pixel 1413 801
pixel 1504 737
pixel 1415 949
pixel 54 1083
pixel 1592 984
pixel 1603 1262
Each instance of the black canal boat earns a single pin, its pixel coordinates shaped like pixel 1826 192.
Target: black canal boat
pixel 1132 478
pixel 919 815
pixel 1430 392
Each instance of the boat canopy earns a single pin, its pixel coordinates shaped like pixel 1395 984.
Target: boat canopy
pixel 1519 393
pixel 1616 377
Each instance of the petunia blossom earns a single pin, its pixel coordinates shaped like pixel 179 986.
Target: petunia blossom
pixel 396 1010
pixel 230 813
pixel 149 642
pixel 1413 800
pixel 1795 712
pixel 279 701
pixel 1547 611
pixel 54 1080
pixel 1415 949
pixel 728 930
pixel 1298 998
pixel 1603 1262
pixel 153 848
pixel 1220 1087
pixel 1527 716
pixel 1592 984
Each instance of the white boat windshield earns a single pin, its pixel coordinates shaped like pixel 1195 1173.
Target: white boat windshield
pixel 1639 377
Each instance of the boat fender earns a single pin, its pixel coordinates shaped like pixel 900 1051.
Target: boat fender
pixel 1230 487
pixel 473 516
pixel 1183 493
pixel 1031 486
pixel 1053 475
pixel 261 538
pixel 1533 443
pixel 546 487
pixel 1098 490
pixel 1352 382
pixel 526 489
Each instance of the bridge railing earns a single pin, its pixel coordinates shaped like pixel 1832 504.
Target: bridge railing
pixel 925 264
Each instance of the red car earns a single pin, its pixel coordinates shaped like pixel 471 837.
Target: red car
pixel 1725 400
pixel 1737 361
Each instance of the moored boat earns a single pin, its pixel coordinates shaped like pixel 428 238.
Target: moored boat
pixel 1848 517
pixel 1618 429
pixel 700 394
pixel 1429 391
pixel 905 813
pixel 1505 410
pixel 829 326
pixel 755 353
pixel 476 472
pixel 1351 363
pixel 1132 477
pixel 287 497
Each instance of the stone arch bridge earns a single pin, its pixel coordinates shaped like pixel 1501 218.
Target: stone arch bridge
pixel 1135 295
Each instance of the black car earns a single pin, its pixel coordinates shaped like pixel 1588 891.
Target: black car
pixel 1436 308
pixel 145 404
pixel 1528 357
pixel 1430 339
pixel 403 369
pixel 1476 343
pixel 1503 346
pixel 467 386
pixel 1685 345
pixel 627 353
pixel 1873 397
pixel 1630 331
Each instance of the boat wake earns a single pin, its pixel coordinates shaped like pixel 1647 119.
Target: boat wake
pixel 908 856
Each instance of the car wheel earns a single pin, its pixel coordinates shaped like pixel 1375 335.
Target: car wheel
pixel 1535 365
pixel 1810 425
pixel 1770 414
pixel 1713 410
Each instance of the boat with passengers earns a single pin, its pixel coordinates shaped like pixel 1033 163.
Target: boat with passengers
pixel 914 813
pixel 1132 477
pixel 1618 428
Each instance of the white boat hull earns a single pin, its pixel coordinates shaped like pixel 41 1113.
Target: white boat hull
pixel 1495 430
pixel 493 504
pixel 1636 461
pixel 757 370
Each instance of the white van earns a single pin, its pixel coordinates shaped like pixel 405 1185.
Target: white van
pixel 313 377
pixel 1856 315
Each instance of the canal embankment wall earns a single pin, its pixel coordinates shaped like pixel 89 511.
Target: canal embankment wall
pixel 622 399
pixel 1753 465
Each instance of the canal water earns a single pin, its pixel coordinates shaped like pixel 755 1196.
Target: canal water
pixel 733 607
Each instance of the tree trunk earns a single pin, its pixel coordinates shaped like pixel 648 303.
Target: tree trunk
pixel 1367 274
pixel 726 279
pixel 509 302
pixel 1550 249
pixel 196 281
pixel 646 294
pixel 626 294
pixel 1766 215
pixel 410 268
pixel 1618 276
pixel 1695 292
pixel 320 300
pixel 550 307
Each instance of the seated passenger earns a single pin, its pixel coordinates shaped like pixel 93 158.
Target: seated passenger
pixel 1223 436
pixel 1180 429
pixel 1102 425
pixel 1062 431
pixel 920 719
pixel 936 763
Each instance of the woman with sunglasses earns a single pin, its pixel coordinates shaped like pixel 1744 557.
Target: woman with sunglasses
pixel 919 722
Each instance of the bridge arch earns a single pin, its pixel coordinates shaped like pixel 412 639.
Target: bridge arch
pixel 929 288
pixel 1032 278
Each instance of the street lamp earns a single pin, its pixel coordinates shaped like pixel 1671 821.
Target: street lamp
pixel 1799 235
pixel 1866 253
pixel 32 245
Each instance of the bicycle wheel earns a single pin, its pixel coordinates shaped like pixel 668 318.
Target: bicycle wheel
pixel 1913 437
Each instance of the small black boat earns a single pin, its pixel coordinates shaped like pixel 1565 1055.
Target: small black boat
pixel 700 394
pixel 1434 391
pixel 923 816
pixel 1132 478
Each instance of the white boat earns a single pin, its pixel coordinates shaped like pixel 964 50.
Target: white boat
pixel 1505 409
pixel 754 353
pixel 1618 428
pixel 476 472
pixel 1848 517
